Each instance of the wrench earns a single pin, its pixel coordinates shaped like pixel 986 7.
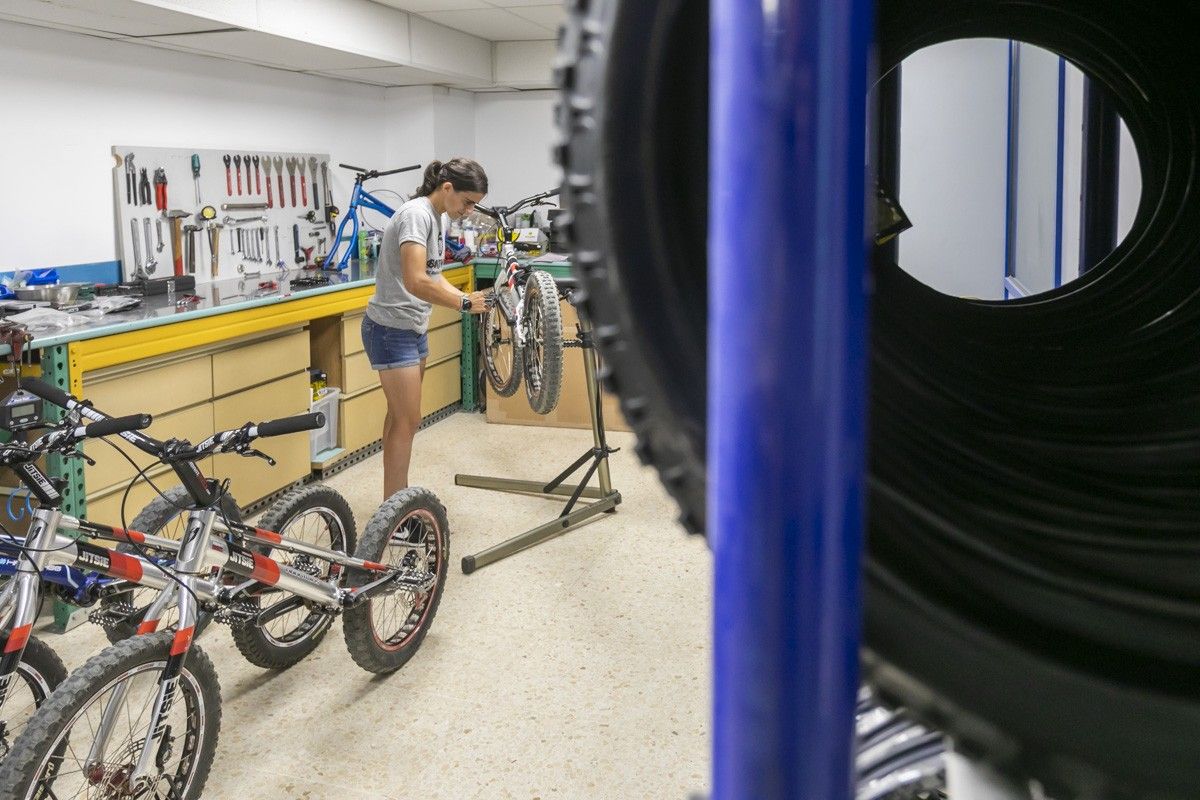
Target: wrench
pixel 257 183
pixel 303 183
pixel 228 176
pixel 267 168
pixel 237 163
pixel 130 178
pixel 291 168
pixel 158 233
pixel 278 251
pixel 137 249
pixel 279 172
pixel 214 240
pixel 151 261
pixel 312 168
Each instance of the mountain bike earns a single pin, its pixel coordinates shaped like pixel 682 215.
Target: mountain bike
pixel 141 718
pixel 521 332
pixel 360 199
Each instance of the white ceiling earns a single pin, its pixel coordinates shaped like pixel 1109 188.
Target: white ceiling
pixel 493 20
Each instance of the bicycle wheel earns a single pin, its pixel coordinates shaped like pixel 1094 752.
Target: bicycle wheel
pixel 166 516
pixel 409 531
pixel 315 515
pixel 542 350
pixel 38 674
pixel 501 349
pixel 51 758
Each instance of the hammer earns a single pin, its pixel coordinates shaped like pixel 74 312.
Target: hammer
pixel 176 220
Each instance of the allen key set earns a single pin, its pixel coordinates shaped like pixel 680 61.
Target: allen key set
pixel 165 230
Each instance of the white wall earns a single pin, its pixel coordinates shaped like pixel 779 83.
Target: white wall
pixel 1129 184
pixel 953 154
pixel 514 134
pixel 1072 172
pixel 70 97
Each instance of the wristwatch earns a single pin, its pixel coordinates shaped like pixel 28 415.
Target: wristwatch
pixel 465 303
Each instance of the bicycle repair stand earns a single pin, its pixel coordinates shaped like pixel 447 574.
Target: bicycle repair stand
pixel 603 499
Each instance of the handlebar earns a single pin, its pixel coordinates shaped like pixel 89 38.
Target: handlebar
pixel 112 425
pixel 367 174
pixel 500 213
pixel 280 427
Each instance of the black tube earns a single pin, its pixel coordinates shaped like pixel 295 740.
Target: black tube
pixel 280 427
pixel 113 425
pixel 398 169
pixel 47 392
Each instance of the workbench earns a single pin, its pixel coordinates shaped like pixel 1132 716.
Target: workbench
pixel 240 354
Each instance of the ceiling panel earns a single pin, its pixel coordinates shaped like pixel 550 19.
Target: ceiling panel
pixel 421 6
pixel 516 3
pixel 546 16
pixel 110 18
pixel 493 24
pixel 263 48
pixel 389 76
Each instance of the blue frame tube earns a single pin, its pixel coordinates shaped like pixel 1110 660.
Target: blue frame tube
pixel 787 391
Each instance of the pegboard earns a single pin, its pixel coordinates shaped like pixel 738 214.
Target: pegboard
pixel 267 237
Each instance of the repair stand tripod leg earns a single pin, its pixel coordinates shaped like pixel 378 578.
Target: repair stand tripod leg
pixel 603 499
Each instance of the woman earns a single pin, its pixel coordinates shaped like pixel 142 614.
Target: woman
pixel 408 283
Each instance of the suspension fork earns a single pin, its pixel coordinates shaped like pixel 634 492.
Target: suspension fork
pixel 26 593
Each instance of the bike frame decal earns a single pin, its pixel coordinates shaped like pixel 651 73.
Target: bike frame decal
pixel 269 536
pixel 182 641
pixel 148 626
pixel 265 570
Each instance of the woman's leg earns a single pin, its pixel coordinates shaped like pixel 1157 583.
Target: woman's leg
pixel 402 388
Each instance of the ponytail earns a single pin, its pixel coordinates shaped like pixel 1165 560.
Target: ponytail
pixel 464 174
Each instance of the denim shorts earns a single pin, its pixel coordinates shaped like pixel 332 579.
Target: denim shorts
pixel 390 348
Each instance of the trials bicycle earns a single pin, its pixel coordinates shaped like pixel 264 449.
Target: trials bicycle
pixel 521 332
pixel 141 718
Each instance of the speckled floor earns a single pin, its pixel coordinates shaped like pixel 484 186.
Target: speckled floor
pixel 575 670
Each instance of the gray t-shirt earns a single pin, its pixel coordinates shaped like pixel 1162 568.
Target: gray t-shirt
pixel 393 305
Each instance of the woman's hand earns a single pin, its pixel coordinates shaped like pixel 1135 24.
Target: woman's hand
pixel 480 301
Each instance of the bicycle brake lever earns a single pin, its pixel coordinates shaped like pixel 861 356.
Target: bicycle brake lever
pixel 252 453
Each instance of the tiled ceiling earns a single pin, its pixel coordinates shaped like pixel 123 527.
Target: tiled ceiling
pixel 494 20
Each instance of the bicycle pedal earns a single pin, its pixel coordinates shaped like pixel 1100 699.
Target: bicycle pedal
pixel 111 614
pixel 419 581
pixel 236 615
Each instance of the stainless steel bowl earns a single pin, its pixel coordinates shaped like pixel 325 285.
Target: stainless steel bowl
pixel 62 293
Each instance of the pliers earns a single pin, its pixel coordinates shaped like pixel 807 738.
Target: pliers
pixel 144 188
pixel 160 189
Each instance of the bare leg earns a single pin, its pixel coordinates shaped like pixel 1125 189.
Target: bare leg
pixel 402 388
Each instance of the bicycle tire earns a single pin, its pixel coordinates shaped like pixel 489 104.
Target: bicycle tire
pixel 1030 699
pixel 273 650
pixel 542 350
pixel 156 518
pixel 504 378
pixel 198 693
pixel 383 653
pixel 42 671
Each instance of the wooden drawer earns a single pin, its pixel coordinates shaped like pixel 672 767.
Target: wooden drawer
pixel 444 342
pixel 357 373
pixel 352 334
pixel 443 316
pixel 106 507
pixel 441 387
pixel 156 390
pixel 111 468
pixel 253 478
pixel 258 363
pixel 360 419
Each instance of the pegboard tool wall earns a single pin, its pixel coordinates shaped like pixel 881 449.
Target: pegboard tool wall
pixel 287 198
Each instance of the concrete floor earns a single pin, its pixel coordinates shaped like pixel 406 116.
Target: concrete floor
pixel 576 670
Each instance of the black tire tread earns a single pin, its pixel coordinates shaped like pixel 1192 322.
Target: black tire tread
pixel 356 623
pixel 250 641
pixel 29 749
pixel 502 387
pixel 541 289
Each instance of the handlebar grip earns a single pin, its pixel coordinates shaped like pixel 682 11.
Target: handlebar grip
pixel 47 392
pixel 113 425
pixel 356 169
pixel 399 169
pixel 303 422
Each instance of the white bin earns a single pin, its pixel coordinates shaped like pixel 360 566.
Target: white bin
pixel 326 438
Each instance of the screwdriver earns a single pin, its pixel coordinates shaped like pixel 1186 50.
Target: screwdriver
pixel 196 177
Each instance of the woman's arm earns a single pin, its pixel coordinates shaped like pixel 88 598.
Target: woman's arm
pixel 432 288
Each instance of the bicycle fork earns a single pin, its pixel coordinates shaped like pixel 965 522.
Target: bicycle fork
pixel 21 599
pixel 190 563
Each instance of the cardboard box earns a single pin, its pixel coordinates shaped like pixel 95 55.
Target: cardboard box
pixel 572 410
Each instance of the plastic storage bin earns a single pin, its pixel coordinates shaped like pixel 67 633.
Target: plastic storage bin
pixel 326 438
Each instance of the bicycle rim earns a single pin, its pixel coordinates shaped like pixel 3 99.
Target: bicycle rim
pixel 318 526
pixel 501 352
pixel 26 692
pixel 416 541
pixel 65 774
